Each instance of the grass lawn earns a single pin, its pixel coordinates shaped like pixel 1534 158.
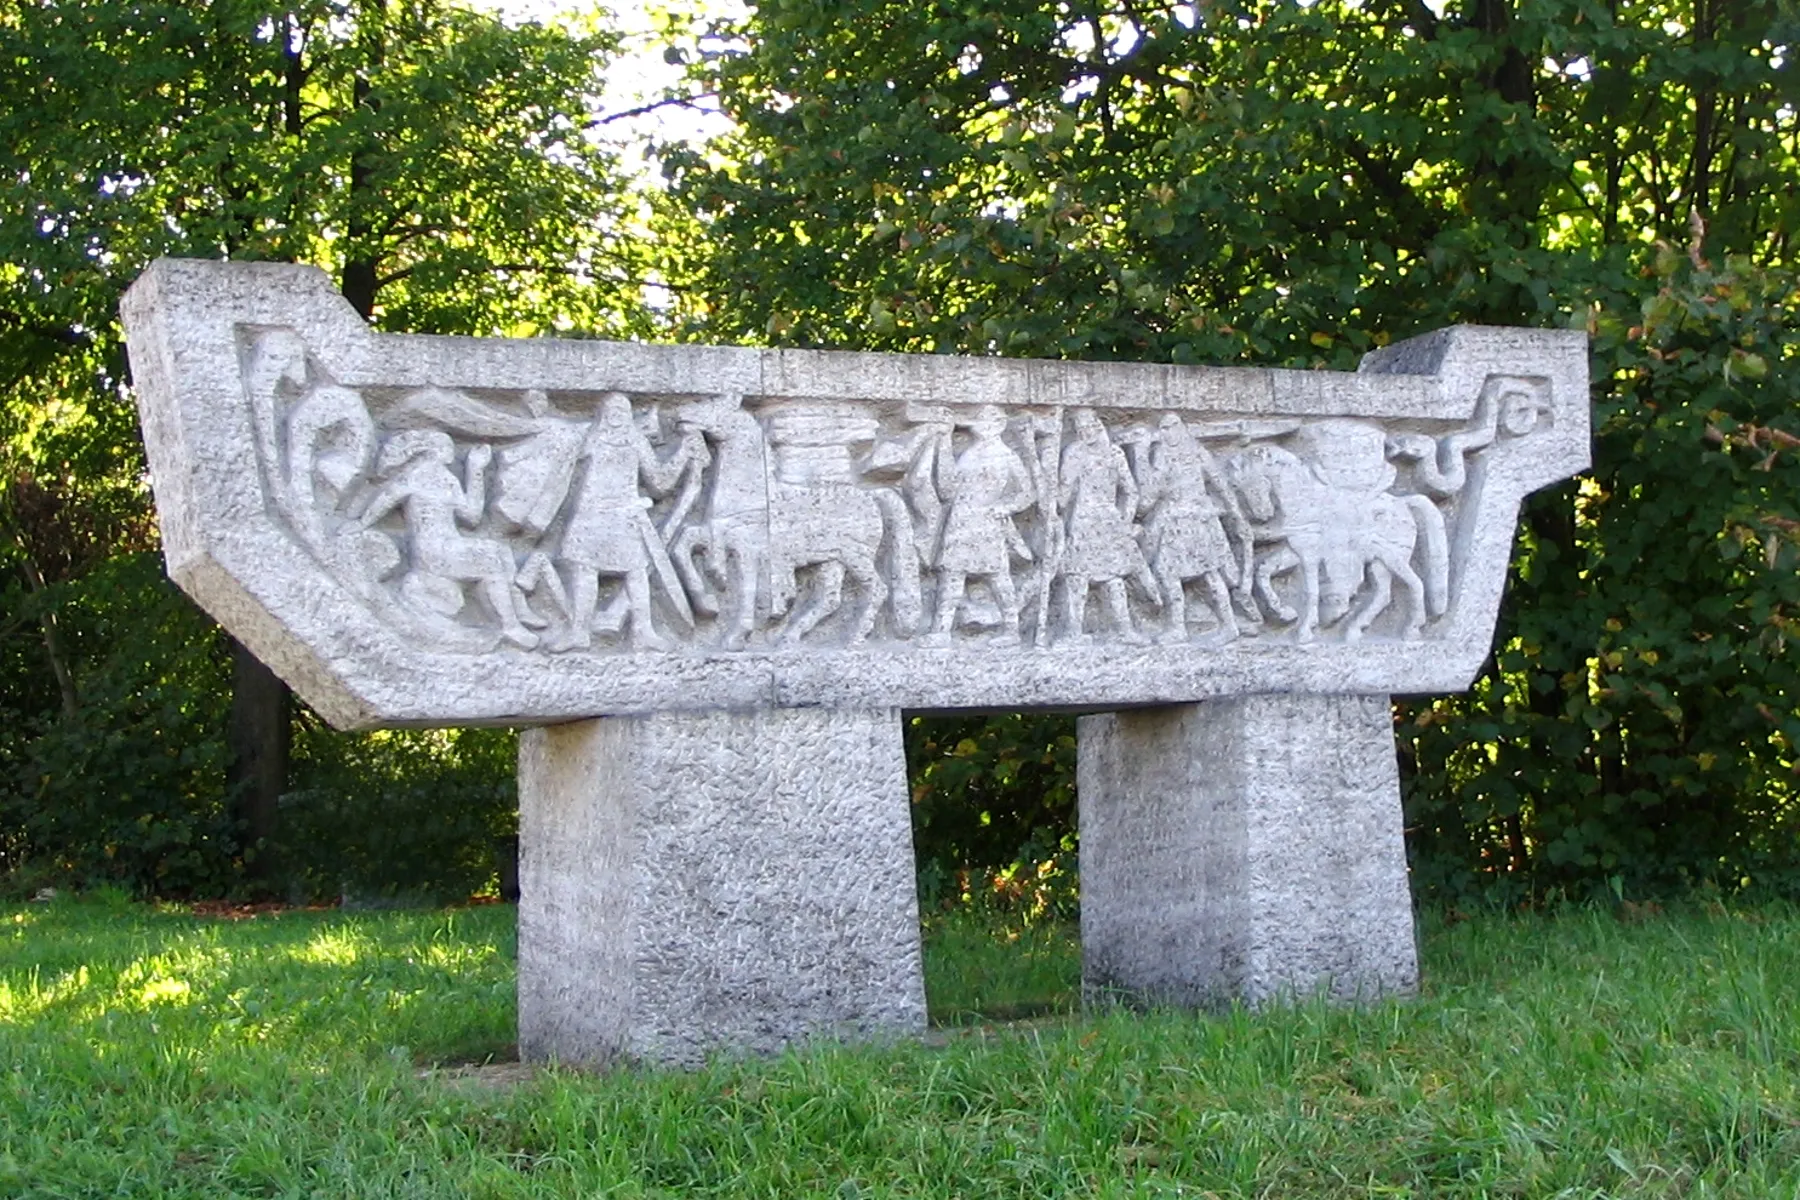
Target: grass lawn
pixel 155 1053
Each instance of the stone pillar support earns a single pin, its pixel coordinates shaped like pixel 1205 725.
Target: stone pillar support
pixel 1244 849
pixel 722 881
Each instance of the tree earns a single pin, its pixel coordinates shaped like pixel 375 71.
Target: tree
pixel 436 160
pixel 1293 184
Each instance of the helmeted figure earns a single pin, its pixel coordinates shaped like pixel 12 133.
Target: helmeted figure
pixel 609 530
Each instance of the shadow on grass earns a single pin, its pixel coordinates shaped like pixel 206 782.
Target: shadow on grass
pixel 987 967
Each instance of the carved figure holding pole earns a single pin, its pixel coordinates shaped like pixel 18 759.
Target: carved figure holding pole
pixel 609 530
pixel 1046 431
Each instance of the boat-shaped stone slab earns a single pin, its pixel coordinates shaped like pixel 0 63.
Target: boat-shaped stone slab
pixel 404 527
pixel 423 531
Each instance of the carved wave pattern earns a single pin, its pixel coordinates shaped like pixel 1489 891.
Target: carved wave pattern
pixel 605 522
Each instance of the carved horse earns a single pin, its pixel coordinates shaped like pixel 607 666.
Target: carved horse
pixel 767 529
pixel 1337 538
pixel 840 529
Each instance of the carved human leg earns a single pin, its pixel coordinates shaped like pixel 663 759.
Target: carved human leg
pixel 748 556
pixel 637 598
pixel 1220 598
pixel 1244 849
pixel 1006 596
pixel 1119 612
pixel 719 881
pixel 503 598
pixel 949 601
pixel 1174 594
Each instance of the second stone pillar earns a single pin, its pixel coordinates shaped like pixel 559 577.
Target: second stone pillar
pixel 1243 849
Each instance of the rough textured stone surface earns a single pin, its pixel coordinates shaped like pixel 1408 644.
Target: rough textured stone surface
pixel 1245 849
pixel 693 883
pixel 619 528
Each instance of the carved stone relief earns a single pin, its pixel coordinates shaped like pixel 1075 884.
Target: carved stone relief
pixel 606 522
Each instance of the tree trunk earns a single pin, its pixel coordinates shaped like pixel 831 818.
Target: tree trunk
pixel 59 665
pixel 360 279
pixel 258 742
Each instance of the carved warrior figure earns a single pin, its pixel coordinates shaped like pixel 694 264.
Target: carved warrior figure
pixel 768 521
pixel 1100 498
pixel 1192 510
pixel 609 532
pixel 1329 510
pixel 981 488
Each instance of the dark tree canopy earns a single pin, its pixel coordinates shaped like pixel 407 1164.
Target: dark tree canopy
pixel 1275 180
pixel 434 160
pixel 1277 183
pixel 1296 183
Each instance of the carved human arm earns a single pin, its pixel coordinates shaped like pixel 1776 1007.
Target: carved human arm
pixel 391 494
pixel 659 476
pixel 1068 475
pixel 1021 486
pixel 691 482
pixel 942 454
pixel 1021 495
pixel 1237 528
pixel 1128 488
pixel 1140 447
pixel 1153 483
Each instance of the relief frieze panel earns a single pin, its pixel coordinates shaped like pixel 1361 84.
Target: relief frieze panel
pixel 635 522
pixel 423 531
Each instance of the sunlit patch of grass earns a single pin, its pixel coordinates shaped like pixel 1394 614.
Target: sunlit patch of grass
pixel 337 947
pixel 30 997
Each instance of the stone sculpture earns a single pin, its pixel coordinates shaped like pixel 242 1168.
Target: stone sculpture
pixel 784 548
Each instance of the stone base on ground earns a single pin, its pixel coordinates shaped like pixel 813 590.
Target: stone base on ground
pixel 733 882
pixel 1248 849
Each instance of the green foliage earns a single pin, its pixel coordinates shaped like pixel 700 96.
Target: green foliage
pixel 1281 182
pixel 992 794
pixel 439 150
pixel 1638 731
pixel 438 162
pixel 127 788
pixel 1292 184
pixel 154 1053
pixel 413 815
